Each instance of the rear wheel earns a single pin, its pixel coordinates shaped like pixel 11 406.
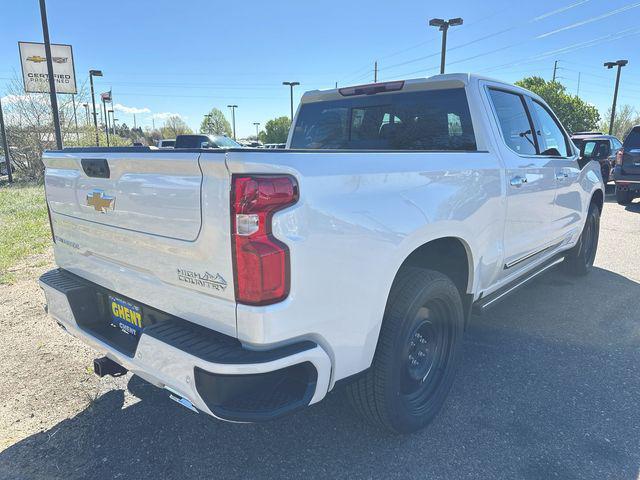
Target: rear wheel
pixel 579 260
pixel 418 348
pixel 623 197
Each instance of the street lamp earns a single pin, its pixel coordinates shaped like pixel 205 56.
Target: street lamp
pixel 291 85
pixel 233 118
pixel 610 65
pixel 257 124
pixel 86 111
pixel 94 73
pixel 113 122
pixel 443 26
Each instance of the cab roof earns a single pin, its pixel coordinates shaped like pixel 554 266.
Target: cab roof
pixel 448 80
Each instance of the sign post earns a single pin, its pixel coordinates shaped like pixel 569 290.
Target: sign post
pixel 52 83
pixel 5 145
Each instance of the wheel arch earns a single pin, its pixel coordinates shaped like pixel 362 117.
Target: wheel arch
pixel 598 197
pixel 451 256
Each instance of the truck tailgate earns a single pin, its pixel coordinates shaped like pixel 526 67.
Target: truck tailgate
pixel 155 227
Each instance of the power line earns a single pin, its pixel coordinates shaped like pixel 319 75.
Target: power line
pixel 590 20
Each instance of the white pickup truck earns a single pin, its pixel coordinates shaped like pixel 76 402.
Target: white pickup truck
pixel 250 283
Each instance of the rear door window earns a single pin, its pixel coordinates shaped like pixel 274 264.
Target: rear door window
pixel 428 120
pixel 514 121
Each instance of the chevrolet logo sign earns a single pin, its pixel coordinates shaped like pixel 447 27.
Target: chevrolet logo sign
pixel 100 202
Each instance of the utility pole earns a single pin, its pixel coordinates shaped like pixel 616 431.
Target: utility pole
pixel 555 67
pixel 75 116
pixel 134 121
pixel 5 144
pixel 610 65
pixel 443 26
pixel 233 118
pixel 94 73
pixel 52 80
pixel 106 119
pixel 578 90
pixel 291 85
pixel 257 124
pixel 375 72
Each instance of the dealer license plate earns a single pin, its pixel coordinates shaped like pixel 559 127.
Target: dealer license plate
pixel 125 315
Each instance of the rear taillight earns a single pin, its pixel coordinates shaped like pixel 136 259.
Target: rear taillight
pixel 619 156
pixel 260 261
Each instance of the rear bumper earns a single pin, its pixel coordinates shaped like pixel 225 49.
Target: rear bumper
pixel 212 371
pixel 625 181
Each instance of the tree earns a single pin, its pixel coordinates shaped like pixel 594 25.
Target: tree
pixel 626 118
pixel 174 126
pixel 215 123
pixel 275 130
pixel 573 112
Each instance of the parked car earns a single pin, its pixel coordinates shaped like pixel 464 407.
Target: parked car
pixel 626 173
pixel 599 147
pixel 249 285
pixel 167 143
pixel 275 145
pixel 205 141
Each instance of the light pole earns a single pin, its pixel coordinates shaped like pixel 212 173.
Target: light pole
pixel 609 65
pixel 257 124
pixel 113 122
pixel 443 26
pixel 291 85
pixel 233 118
pixel 86 112
pixel 52 82
pixel 94 73
pixel 106 116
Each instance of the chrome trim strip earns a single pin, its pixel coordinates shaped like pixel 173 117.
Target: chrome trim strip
pixel 512 263
pixel 627 181
pixel 521 282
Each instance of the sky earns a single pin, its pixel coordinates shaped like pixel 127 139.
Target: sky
pixel 185 57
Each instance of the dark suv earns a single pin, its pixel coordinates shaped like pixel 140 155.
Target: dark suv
pixel 599 147
pixel 627 170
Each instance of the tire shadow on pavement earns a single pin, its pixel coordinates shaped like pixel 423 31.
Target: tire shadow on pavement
pixel 548 387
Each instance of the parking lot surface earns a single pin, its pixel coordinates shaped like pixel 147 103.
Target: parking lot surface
pixel 548 388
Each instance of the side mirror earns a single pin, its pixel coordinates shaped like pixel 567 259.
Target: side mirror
pixel 204 145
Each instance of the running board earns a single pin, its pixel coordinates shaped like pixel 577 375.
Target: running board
pixel 484 304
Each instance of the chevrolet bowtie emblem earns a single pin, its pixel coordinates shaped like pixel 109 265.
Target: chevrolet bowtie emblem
pixel 100 202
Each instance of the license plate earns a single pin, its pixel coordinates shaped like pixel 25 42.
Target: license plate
pixel 125 315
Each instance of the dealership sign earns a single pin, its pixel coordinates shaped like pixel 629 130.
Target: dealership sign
pixel 34 68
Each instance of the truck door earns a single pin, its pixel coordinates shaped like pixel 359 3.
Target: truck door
pixel 555 148
pixel 530 183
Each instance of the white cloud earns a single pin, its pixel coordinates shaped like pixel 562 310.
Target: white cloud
pixel 130 110
pixel 165 115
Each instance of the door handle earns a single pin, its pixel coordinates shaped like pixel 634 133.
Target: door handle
pixel 517 181
pixel 561 175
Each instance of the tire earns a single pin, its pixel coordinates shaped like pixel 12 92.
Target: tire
pixel 579 260
pixel 417 353
pixel 624 197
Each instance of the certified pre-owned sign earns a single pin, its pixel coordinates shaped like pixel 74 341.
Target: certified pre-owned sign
pixel 34 68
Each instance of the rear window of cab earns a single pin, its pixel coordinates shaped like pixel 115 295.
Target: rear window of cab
pixel 437 120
